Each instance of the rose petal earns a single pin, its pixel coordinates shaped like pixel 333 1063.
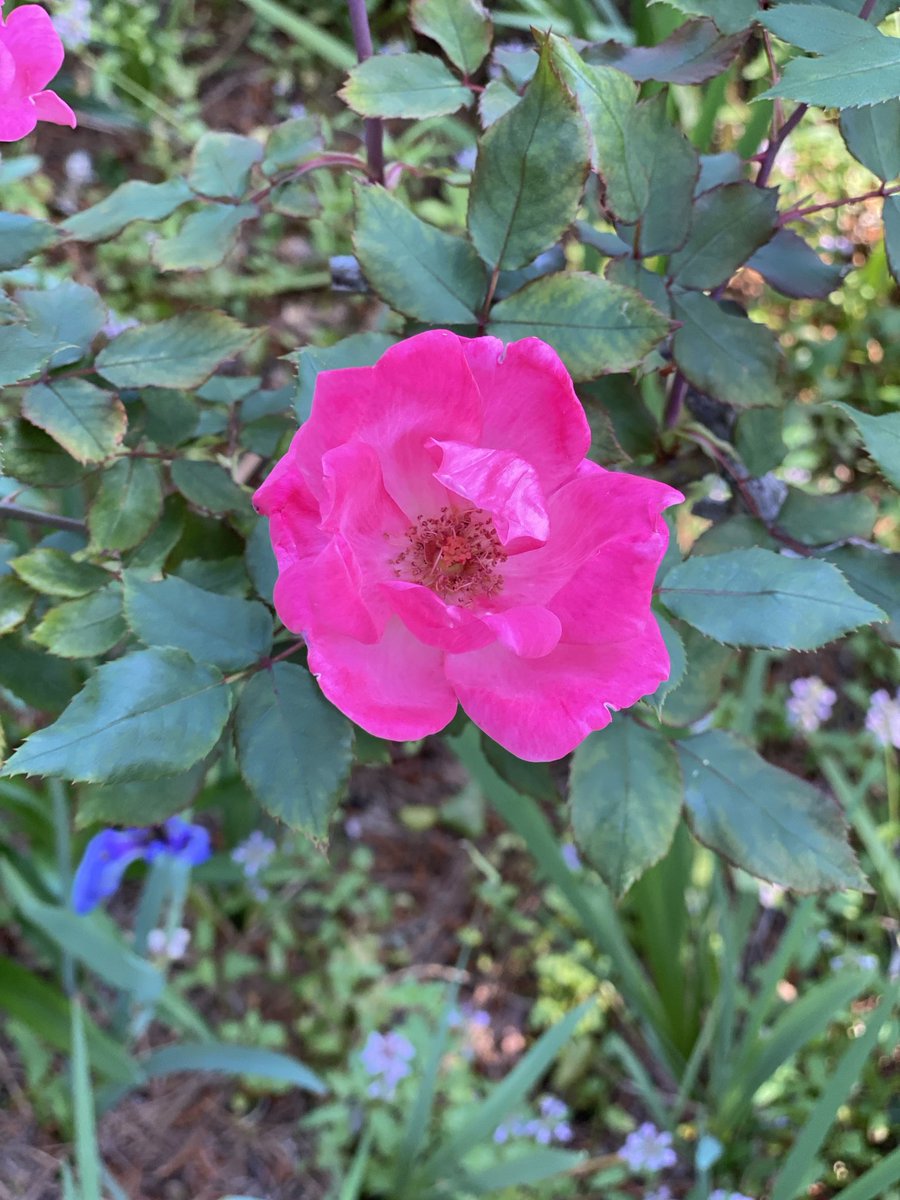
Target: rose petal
pixel 530 406
pixel 541 708
pixel 49 107
pixel 35 45
pixel 503 485
pixel 529 631
pixel 394 689
pixel 433 621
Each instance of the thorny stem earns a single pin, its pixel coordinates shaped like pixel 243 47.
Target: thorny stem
pixel 313 164
pixel 34 516
pixel 797 214
pixel 777 142
pixel 265 663
pixel 867 9
pixel 675 401
pixel 362 40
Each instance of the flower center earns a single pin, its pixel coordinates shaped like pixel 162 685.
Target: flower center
pixel 456 554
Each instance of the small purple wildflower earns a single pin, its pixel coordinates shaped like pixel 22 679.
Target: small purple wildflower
pixel 387 1057
pixel 254 853
pixel 570 856
pixel 883 718
pixel 810 703
pixel 648 1149
pixel 721 1194
pixel 551 1126
pixel 109 854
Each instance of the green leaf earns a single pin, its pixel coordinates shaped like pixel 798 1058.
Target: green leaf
pixel 87 421
pixel 758 598
pixel 595 326
pixel 208 485
pixel 155 712
pixel 625 791
pixel 731 16
pixel 293 747
pixel 69 314
pixel 628 272
pixel 56 573
pixel 728 224
pixel 133 201
pixel 860 73
pixel 526 1169
pixel 725 356
pixel 462 29
pixel 22 237
pixel 606 98
pixel 695 52
pixel 170 417
pixel 818 520
pixel 38 679
pixel 87 1153
pixel 357 350
pixel 205 238
pixel 30 456
pixel 260 560
pixel 231 1059
pixel 221 165
pixel 653 182
pixel 23 352
pixel 792 267
pixel 403 85
pixel 180 352
pixel 875 575
pixel 495 101
pixel 127 505
pixel 763 819
pixel 225 630
pixel 677 663
pixel 758 439
pixel 890 215
pixel 138 801
pixel 290 143
pixel 828 30
pixel 530 173
pixel 15 601
pixel 307 34
pixel 419 270
pixel 83 628
pixel 882 438
pixel 716 169
pixel 872 136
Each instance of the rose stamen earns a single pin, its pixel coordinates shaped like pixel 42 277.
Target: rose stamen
pixel 455 554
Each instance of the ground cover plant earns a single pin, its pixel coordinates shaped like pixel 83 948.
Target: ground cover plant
pixel 449 600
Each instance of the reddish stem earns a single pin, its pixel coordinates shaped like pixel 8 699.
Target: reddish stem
pixel 362 40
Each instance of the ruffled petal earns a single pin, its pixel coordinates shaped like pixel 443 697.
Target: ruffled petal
pixel 429 618
pixel 529 631
pixel 49 107
pixel 549 429
pixel 327 593
pixel 595 508
pixel 501 484
pixel 360 509
pixel 394 689
pixel 35 45
pixel 17 120
pixel 293 512
pixel 541 708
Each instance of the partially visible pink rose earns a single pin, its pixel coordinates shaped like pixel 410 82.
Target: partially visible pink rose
pixel 441 539
pixel 31 53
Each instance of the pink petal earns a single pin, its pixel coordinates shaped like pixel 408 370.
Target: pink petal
pixel 500 483
pixel 360 509
pixel 529 631
pixel 16 120
pixel 541 708
pixel 594 508
pixel 326 593
pixel 429 618
pixel 530 406
pixel 7 68
pixel 35 45
pixel 420 388
pixel 293 514
pixel 394 689
pixel 49 107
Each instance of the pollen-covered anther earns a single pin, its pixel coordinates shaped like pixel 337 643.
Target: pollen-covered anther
pixel 456 554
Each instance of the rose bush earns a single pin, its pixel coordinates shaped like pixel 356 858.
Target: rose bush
pixel 442 539
pixel 31 53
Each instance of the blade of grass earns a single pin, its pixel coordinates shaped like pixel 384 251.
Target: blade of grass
pixel 594 909
pixel 876 1181
pixel 351 1188
pixel 853 802
pixel 795 1175
pixel 87 1157
pixel 503 1098
pixel 316 40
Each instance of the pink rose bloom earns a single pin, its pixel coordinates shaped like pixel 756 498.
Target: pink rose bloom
pixel 441 539
pixel 30 55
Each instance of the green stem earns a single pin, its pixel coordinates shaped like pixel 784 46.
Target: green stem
pixel 63 845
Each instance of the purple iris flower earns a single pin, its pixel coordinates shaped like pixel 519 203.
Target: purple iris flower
pixel 109 854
